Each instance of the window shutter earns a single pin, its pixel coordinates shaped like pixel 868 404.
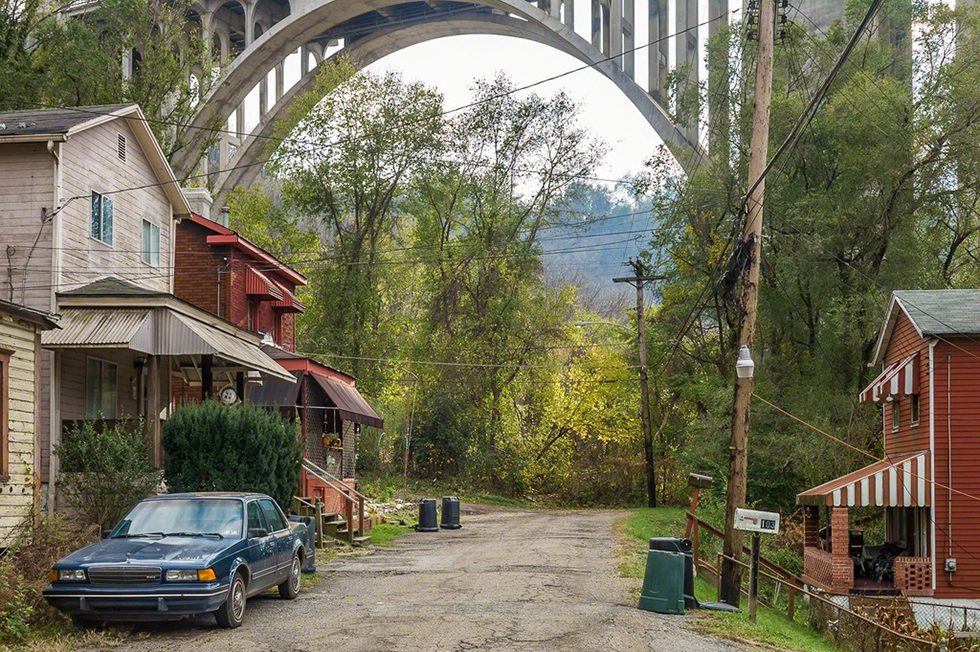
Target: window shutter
pixel 96 216
pixel 106 220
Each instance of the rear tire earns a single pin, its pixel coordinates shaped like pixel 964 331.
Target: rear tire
pixel 289 589
pixel 232 612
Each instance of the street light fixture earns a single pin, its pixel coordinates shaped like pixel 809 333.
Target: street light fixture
pixel 744 368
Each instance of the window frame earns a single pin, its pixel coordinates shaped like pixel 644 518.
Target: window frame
pixel 5 357
pixel 103 365
pixel 100 237
pixel 914 409
pixel 896 415
pixel 147 254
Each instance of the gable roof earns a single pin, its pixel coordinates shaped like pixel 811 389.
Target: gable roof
pixel 112 287
pixel 62 123
pixel 40 123
pixel 45 320
pixel 932 313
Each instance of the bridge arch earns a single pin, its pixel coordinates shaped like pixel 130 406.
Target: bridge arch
pixel 311 21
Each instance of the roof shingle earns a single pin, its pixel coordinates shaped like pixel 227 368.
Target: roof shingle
pixel 112 286
pixel 942 312
pixel 52 121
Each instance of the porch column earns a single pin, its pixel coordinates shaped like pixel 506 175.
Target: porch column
pixel 207 378
pixel 842 568
pixel 811 526
pixel 240 385
pixel 153 409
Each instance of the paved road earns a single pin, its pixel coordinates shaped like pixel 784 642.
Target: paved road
pixel 509 580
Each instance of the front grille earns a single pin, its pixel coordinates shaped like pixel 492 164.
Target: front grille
pixel 124 575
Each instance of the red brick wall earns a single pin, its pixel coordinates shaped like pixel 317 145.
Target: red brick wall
pixel 199 276
pixel 265 314
pixel 842 568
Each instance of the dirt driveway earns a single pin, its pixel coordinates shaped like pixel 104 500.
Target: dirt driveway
pixel 509 580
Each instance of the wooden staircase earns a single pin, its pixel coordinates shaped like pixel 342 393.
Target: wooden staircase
pixel 351 526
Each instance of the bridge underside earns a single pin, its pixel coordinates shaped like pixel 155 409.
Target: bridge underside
pixel 254 40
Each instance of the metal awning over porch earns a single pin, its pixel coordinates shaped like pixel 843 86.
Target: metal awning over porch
pixel 159 330
pixel 348 402
pixel 901 481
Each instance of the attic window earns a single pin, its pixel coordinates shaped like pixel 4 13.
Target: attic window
pixel 121 147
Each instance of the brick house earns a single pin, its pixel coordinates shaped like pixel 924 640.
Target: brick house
pixel 927 485
pixel 220 271
pixel 88 204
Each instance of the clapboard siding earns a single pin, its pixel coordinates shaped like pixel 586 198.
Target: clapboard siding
pixel 957 435
pixel 27 194
pixel 17 493
pixel 90 163
pixel 910 437
pixel 73 365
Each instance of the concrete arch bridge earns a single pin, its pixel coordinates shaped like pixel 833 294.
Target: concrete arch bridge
pixel 260 41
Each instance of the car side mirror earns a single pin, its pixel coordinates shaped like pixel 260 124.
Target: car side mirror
pixel 257 533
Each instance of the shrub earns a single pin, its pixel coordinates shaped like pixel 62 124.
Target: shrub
pixel 105 471
pixel 24 568
pixel 216 447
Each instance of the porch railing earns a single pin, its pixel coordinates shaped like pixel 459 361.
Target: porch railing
pixel 350 495
pixel 818 566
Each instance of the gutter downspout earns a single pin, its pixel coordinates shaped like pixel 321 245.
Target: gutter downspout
pixel 54 360
pixel 932 458
pixel 949 459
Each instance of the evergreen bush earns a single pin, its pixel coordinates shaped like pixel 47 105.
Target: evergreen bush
pixel 215 447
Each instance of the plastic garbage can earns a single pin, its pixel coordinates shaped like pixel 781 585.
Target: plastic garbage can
pixel 663 583
pixel 427 516
pixel 686 548
pixel 450 513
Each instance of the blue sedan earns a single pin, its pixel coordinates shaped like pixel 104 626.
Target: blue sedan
pixel 182 555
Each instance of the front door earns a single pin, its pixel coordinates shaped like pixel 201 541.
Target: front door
pixel 279 529
pixel 262 550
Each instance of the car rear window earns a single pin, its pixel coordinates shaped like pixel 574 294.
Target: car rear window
pixel 186 516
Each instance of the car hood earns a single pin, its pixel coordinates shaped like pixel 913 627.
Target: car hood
pixel 176 549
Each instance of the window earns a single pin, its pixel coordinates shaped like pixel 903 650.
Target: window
pixel 101 218
pixel 150 250
pixel 255 520
pixel 4 413
pixel 100 389
pixel 272 515
pixel 896 415
pixel 277 327
pixel 253 315
pixel 914 406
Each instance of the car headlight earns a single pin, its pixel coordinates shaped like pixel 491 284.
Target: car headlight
pixel 68 575
pixel 181 575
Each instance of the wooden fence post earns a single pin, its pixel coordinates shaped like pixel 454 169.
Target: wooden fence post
pixel 791 597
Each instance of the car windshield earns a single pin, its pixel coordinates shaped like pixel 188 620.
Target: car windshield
pixel 189 517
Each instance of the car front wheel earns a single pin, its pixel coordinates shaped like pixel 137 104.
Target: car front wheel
pixel 289 589
pixel 232 612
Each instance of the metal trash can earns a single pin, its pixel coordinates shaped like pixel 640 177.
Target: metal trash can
pixel 427 516
pixel 663 583
pixel 686 548
pixel 309 542
pixel 450 513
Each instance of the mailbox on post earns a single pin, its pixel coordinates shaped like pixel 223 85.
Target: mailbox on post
pixel 756 522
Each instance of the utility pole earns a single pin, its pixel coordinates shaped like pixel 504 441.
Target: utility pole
pixel 731 573
pixel 639 276
pixel 409 411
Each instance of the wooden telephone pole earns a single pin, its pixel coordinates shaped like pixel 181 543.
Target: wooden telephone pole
pixel 731 573
pixel 639 276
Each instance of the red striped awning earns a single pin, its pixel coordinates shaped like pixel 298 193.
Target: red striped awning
pixel 258 284
pixel 898 379
pixel 289 302
pixel 900 481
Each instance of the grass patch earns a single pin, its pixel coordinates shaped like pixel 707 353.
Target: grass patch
pixel 383 534
pixel 772 627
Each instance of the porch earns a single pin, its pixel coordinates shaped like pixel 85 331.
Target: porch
pixel 836 556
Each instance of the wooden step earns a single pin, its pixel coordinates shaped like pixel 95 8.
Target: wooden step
pixel 362 541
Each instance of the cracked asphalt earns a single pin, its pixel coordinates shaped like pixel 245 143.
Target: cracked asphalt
pixel 509 580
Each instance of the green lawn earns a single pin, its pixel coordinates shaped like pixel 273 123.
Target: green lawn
pixel 771 627
pixel 388 488
pixel 383 534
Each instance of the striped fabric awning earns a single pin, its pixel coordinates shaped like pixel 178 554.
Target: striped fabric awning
pixel 899 378
pixel 900 481
pixel 258 284
pixel 288 302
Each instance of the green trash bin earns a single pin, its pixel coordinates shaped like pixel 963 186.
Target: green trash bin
pixel 663 584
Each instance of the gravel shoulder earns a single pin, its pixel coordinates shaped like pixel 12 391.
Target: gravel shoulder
pixel 510 579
